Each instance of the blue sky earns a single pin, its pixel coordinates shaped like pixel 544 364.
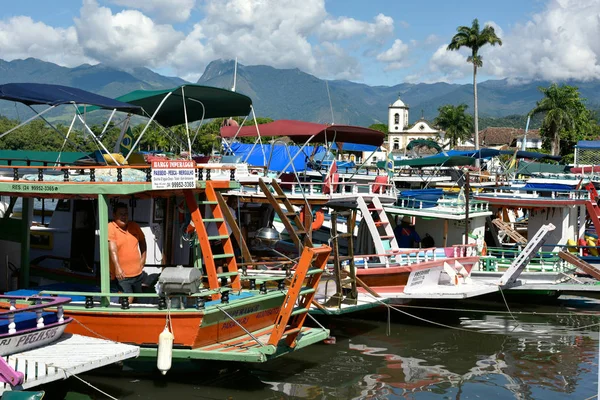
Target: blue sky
pixel 375 42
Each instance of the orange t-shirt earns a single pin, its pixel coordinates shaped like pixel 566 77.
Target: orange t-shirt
pixel 128 248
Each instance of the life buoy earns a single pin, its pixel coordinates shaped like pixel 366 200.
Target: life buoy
pixel 318 218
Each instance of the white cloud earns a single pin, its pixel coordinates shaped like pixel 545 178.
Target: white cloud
pixel 166 11
pixel 21 37
pixel 395 57
pixel 559 43
pixel 449 66
pixel 125 39
pixel 345 28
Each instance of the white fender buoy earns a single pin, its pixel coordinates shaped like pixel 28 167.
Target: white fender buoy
pixel 165 351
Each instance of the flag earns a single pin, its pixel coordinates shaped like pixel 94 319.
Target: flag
pixel 331 179
pixel 126 142
pixel 389 165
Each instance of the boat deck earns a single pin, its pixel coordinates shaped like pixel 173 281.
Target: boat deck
pixel 69 355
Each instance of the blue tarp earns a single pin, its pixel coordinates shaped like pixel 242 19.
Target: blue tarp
pixel 279 159
pixel 53 95
pixel 549 186
pixel 589 144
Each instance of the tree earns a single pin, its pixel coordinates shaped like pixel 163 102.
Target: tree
pixel 457 124
pixel 472 38
pixel 566 119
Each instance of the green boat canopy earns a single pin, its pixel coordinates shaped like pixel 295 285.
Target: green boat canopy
pixel 201 102
pixel 433 161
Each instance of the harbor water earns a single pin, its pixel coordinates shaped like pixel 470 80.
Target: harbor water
pixel 482 351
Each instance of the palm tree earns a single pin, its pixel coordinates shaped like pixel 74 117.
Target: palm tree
pixel 561 104
pixel 455 122
pixel 474 39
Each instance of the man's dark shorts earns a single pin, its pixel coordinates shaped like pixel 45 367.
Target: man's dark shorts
pixel 131 285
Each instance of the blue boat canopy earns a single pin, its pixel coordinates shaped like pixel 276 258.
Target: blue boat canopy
pixel 54 95
pixel 488 153
pixel 588 144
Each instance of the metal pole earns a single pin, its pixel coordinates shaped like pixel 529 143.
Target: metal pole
pixel 467 190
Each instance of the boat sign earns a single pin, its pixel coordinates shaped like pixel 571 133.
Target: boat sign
pixel 173 174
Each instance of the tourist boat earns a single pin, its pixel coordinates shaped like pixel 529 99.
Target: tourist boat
pixel 229 316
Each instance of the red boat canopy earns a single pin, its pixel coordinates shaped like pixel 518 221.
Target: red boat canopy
pixel 301 132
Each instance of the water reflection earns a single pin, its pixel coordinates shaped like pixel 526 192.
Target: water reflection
pixel 533 356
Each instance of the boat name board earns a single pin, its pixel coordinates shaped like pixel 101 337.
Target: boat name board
pixel 173 174
pixel 15 343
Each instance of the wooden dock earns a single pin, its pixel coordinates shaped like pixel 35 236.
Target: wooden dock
pixel 69 355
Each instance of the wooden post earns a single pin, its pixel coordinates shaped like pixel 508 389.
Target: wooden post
pixel 25 241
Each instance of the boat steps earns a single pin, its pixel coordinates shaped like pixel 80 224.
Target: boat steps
pixel 69 355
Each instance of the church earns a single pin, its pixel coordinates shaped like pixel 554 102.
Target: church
pixel 401 134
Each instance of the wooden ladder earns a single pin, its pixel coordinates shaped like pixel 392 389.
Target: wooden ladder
pixel 289 217
pixel 579 263
pixel 514 235
pixel 208 257
pixel 336 300
pixel 300 295
pixel 381 230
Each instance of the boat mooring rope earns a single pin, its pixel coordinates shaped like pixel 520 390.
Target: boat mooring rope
pixel 390 307
pixel 87 383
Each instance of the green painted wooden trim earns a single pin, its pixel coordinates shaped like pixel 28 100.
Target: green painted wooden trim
pixel 25 242
pixel 103 249
pixel 306 338
pixel 91 188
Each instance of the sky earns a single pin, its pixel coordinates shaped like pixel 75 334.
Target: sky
pixel 376 42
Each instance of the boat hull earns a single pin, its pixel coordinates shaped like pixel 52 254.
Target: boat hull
pixel 31 338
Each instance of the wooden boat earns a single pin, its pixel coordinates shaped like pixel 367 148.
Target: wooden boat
pixel 229 316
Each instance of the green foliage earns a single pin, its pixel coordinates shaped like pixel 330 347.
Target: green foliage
pixel 379 127
pixel 454 120
pixel 474 39
pixel 566 119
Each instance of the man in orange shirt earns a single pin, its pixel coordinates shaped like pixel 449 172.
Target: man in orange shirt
pixel 127 249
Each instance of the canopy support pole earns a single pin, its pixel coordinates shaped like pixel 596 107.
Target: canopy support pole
pixel 147 125
pixel 187 127
pixel 112 114
pixel 37 115
pixel 95 138
pixel 65 141
pixel 295 155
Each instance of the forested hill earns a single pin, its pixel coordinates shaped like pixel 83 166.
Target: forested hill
pixel 293 94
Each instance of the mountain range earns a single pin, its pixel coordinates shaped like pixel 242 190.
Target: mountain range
pixel 293 94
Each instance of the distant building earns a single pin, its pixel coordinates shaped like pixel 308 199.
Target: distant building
pixel 503 138
pixel 399 131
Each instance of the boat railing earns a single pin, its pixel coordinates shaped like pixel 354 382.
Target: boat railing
pixel 564 194
pixel 183 302
pixel 405 257
pixel 544 261
pixel 444 205
pixel 340 188
pixel 122 173
pixel 37 304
